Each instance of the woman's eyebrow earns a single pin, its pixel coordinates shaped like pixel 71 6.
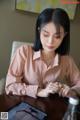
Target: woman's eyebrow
pixel 45 31
pixel 56 33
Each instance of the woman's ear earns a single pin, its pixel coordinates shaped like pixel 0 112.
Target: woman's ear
pixel 39 28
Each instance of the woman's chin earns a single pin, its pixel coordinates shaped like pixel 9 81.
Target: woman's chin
pixel 50 49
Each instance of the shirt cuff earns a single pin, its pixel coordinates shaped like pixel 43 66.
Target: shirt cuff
pixel 31 90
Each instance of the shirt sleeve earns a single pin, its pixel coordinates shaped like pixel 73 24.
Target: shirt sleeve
pixel 15 74
pixel 74 76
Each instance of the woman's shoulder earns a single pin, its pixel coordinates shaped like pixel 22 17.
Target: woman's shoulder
pixel 67 58
pixel 23 50
pixel 24 47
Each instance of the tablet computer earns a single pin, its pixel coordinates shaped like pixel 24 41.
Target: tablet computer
pixel 25 111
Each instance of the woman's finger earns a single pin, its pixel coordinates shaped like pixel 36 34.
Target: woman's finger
pixel 65 91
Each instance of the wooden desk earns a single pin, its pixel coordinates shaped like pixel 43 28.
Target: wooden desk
pixel 54 105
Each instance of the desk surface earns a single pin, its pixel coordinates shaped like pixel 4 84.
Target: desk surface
pixel 54 105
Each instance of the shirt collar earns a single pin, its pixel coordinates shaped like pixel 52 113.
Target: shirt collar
pixel 56 60
pixel 37 55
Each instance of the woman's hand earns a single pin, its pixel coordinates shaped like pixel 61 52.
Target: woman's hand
pixel 50 88
pixel 53 87
pixel 57 87
pixel 45 92
pixel 66 91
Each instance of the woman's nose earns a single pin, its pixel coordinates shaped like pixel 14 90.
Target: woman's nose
pixel 50 40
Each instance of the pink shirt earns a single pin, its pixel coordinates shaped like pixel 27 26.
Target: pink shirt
pixel 28 72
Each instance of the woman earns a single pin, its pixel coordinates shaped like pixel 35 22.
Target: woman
pixel 47 67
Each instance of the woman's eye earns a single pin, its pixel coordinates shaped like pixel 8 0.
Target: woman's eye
pixel 57 36
pixel 46 35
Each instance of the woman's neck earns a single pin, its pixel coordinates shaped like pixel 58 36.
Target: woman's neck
pixel 48 57
pixel 48 54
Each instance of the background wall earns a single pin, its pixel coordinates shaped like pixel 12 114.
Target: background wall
pixel 20 26
pixel 75 37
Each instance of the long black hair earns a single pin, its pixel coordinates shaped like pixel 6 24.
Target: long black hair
pixel 60 18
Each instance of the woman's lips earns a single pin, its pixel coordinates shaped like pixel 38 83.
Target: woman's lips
pixel 50 46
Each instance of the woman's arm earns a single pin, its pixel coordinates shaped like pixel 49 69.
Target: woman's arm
pixel 15 74
pixel 74 75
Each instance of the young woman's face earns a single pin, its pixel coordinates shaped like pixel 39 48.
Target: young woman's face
pixel 49 37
